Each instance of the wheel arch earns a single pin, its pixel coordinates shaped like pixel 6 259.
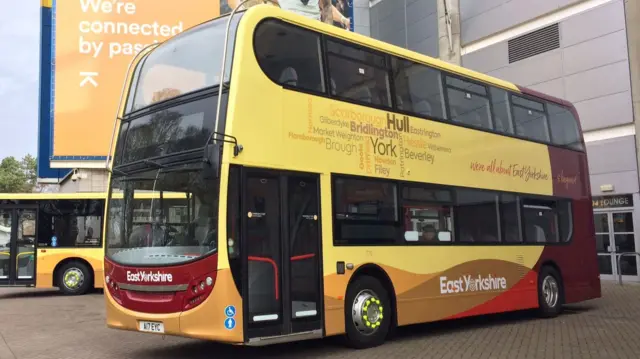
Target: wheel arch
pixel 63 262
pixel 552 264
pixel 375 271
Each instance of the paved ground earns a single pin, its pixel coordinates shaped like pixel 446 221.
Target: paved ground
pixel 42 324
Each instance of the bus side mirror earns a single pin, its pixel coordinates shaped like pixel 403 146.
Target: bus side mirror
pixel 211 168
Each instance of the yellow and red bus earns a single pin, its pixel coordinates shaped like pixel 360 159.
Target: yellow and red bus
pixel 52 240
pixel 336 185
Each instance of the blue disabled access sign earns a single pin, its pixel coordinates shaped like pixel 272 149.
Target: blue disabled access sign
pixel 230 323
pixel 230 311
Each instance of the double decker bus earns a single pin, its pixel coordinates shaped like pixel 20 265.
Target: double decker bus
pixel 339 185
pixel 50 240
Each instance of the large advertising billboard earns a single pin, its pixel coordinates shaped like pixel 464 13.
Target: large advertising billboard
pixel 93 42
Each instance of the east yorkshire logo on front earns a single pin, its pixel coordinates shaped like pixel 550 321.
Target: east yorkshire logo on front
pixel 143 276
pixel 467 283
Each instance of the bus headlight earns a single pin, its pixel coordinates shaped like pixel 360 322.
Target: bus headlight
pixel 200 289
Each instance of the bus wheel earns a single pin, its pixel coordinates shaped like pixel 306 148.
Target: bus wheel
pixel 549 292
pixel 367 313
pixel 74 278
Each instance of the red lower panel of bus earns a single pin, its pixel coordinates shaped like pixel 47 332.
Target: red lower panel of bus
pixel 520 296
pixel 169 289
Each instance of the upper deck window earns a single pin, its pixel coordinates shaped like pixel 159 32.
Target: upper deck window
pixel 501 110
pixel 290 55
pixel 185 63
pixel 468 103
pixel 418 88
pixel 530 119
pixel 564 129
pixel 300 58
pixel 358 74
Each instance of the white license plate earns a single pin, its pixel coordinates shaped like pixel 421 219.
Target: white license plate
pixel 151 327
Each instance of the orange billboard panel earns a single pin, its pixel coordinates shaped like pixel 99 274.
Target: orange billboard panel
pixel 95 40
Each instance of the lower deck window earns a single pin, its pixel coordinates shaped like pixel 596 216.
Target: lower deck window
pixel 70 223
pixel 427 214
pixel 541 221
pixel 379 212
pixel 366 211
pixel 477 216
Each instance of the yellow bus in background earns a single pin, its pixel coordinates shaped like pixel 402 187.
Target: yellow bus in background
pixel 336 185
pixel 52 240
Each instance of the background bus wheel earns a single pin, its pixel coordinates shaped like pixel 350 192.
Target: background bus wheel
pixel 74 278
pixel 550 292
pixel 367 313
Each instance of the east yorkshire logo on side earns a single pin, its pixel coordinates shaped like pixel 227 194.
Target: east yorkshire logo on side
pixel 467 283
pixel 154 277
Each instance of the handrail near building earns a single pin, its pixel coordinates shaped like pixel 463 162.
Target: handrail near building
pixel 618 263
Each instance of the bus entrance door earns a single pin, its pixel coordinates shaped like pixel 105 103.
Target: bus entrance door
pixel 283 264
pixel 17 246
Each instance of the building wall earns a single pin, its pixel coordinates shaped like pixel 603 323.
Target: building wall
pixel 412 24
pixel 361 17
pixel 593 50
pixel 88 180
pixel 613 161
pixel 482 18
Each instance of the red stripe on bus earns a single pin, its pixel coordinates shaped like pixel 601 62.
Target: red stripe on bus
pixel 303 256
pixel 275 270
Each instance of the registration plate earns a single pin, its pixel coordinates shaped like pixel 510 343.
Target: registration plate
pixel 151 327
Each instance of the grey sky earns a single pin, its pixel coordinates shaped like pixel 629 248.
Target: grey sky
pixel 19 77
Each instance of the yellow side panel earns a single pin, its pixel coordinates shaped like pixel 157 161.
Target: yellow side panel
pixel 48 258
pixel 312 133
pixel 351 139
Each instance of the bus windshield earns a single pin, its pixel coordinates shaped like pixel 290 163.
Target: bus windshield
pixel 185 63
pixel 162 217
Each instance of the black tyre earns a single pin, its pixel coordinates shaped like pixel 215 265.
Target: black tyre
pixel 550 292
pixel 74 278
pixel 368 313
